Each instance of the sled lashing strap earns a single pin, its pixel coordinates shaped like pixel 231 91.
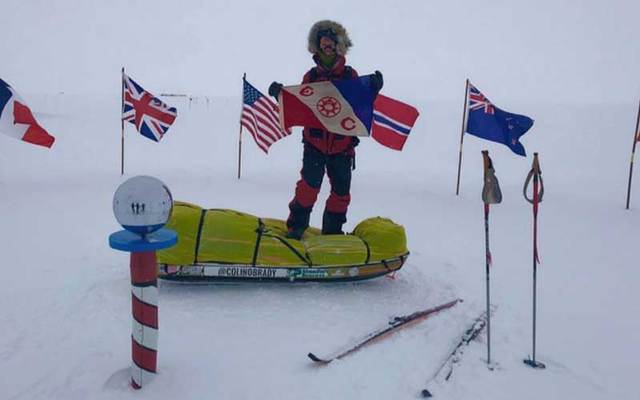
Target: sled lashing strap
pixel 293 249
pixel 259 231
pixel 202 214
pixel 366 261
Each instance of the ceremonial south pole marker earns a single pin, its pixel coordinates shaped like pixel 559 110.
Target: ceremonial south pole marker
pixel 143 205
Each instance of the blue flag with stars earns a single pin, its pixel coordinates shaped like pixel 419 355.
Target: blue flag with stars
pixel 487 121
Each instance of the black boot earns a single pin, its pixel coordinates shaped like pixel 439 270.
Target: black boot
pixel 298 220
pixel 295 233
pixel 332 223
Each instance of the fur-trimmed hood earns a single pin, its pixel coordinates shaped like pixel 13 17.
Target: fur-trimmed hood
pixel 343 41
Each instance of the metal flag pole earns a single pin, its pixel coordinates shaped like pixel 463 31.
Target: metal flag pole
pixel 464 125
pixel 244 79
pixel 538 192
pixel 491 194
pixel 122 126
pixel 636 137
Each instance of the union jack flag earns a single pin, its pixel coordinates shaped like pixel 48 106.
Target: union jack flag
pixel 478 101
pixel 261 117
pixel 151 116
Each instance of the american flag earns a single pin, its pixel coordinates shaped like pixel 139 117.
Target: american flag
pixel 478 101
pixel 151 116
pixel 260 117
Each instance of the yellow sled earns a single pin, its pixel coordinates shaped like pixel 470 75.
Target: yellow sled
pixel 227 245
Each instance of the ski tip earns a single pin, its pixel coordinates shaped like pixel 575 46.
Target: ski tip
pixel 426 394
pixel 534 364
pixel 317 359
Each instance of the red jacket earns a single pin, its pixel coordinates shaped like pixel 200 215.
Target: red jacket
pixel 325 141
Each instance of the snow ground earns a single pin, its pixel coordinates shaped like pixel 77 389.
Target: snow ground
pixel 69 322
pixel 66 315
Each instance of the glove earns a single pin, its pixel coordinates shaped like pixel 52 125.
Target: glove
pixel 377 81
pixel 274 89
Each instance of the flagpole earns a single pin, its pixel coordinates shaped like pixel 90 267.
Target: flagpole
pixel 464 124
pixel 122 124
pixel 239 150
pixel 244 78
pixel 636 135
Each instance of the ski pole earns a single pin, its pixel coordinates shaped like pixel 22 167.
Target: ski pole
pixel 487 283
pixel 491 194
pixel 538 192
pixel 636 138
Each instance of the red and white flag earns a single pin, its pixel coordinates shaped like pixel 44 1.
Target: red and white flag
pixel 17 121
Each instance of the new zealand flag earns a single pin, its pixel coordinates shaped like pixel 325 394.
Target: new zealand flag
pixel 487 121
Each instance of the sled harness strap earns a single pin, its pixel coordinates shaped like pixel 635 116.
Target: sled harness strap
pixel 259 231
pixel 293 249
pixel 200 224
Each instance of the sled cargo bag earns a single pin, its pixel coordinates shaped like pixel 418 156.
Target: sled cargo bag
pixel 222 244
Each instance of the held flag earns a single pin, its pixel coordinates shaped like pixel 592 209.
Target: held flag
pixel 349 107
pixel 487 121
pixel 17 121
pixel 149 114
pixel 344 107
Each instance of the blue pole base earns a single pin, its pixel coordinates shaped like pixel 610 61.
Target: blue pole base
pixel 133 243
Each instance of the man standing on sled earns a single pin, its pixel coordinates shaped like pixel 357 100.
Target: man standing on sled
pixel 325 151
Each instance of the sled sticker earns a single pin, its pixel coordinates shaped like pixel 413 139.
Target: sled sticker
pixel 191 270
pixel 247 272
pixel 308 273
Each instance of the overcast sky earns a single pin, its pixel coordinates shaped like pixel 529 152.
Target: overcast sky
pixel 563 50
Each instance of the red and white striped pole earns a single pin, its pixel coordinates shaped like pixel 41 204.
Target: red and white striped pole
pixel 144 308
pixel 143 205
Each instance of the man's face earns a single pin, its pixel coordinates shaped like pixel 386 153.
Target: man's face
pixel 327 46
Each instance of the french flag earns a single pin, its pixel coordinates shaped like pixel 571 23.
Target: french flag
pixel 17 121
pixel 392 121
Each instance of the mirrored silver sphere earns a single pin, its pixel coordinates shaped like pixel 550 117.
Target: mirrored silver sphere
pixel 142 204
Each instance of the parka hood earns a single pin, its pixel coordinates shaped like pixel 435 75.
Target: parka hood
pixel 343 43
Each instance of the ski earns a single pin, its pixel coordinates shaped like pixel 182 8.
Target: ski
pixel 470 334
pixel 395 325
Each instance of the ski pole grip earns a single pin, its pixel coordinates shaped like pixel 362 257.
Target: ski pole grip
pixel 491 193
pixel 536 164
pixel 486 161
pixel 536 174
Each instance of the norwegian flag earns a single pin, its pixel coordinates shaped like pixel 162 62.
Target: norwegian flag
pixel 478 101
pixel 151 116
pixel 392 121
